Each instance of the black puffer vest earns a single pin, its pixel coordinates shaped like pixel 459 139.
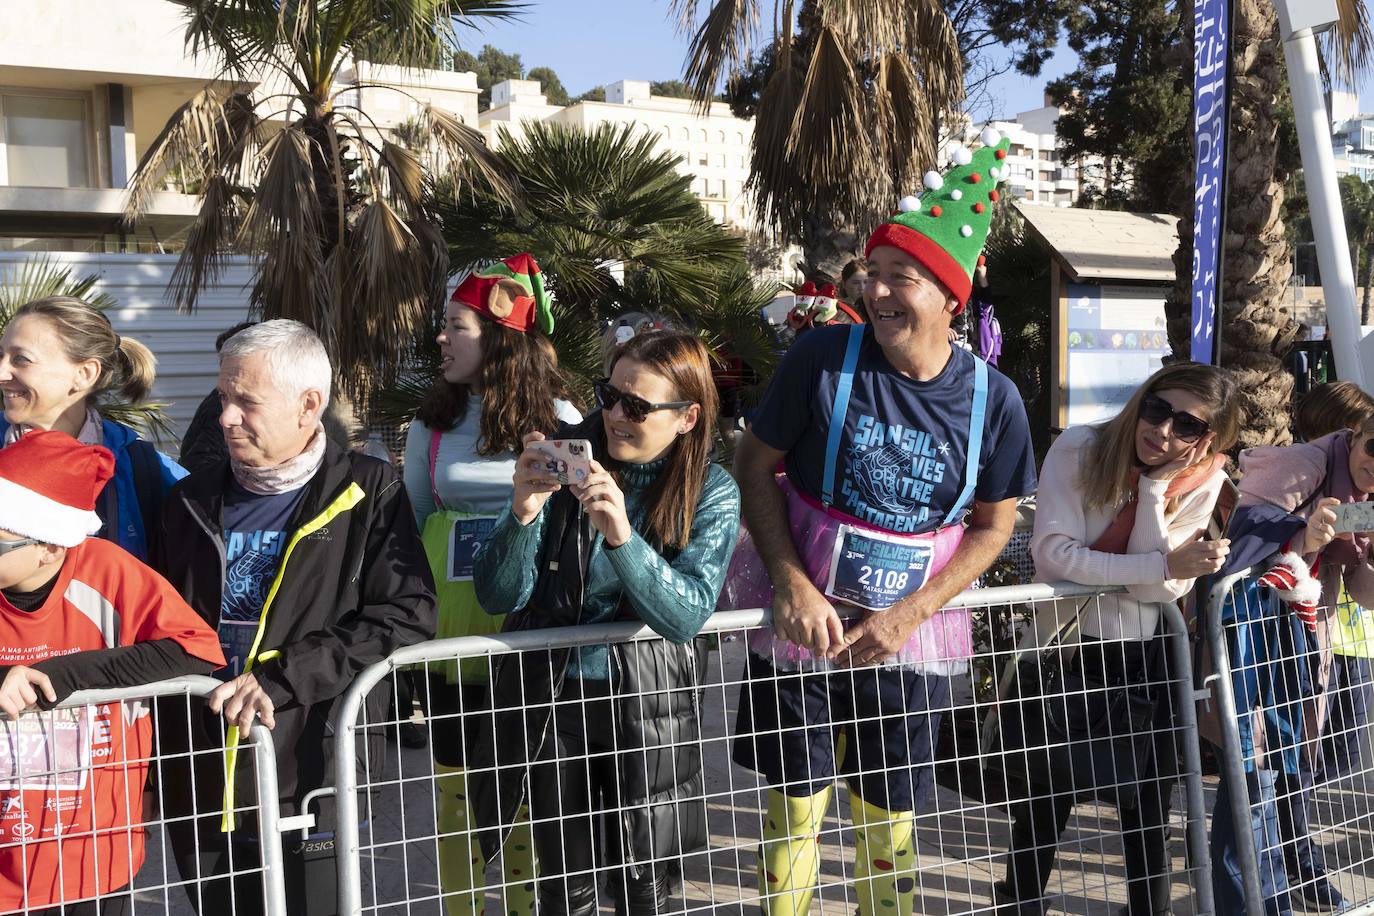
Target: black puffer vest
pixel 654 684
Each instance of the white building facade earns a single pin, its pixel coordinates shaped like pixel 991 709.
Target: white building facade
pixel 1036 171
pixel 714 145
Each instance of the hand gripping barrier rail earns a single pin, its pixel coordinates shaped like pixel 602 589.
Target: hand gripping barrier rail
pixel 95 752
pixel 409 827
pixel 1294 824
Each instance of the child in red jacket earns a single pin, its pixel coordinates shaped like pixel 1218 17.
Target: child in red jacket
pixel 76 614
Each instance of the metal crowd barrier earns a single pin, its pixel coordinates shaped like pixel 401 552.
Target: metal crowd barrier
pixel 392 848
pixel 59 757
pixel 1297 754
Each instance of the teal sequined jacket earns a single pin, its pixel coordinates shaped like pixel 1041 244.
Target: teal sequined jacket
pixel 674 598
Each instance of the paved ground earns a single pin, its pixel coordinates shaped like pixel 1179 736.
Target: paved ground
pixel 959 850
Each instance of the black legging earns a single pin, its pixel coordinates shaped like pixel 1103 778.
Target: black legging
pixel 575 843
pixel 1039 822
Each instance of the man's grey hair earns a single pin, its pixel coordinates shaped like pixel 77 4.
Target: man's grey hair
pixel 296 358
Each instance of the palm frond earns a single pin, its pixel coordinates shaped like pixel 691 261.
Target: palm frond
pixel 204 136
pixel 461 145
pixel 40 277
pixel 721 44
pixel 1349 45
pixel 776 185
pixel 208 243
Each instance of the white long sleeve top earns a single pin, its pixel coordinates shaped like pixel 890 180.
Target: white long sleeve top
pixel 1065 527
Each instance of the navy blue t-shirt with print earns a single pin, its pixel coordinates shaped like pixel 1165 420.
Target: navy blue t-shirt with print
pixel 256 530
pixel 903 455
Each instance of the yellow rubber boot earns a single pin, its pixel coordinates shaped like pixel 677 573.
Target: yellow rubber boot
pixel 461 864
pixel 790 864
pixel 884 859
pixel 517 868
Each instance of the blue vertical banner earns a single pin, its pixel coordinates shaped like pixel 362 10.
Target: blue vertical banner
pixel 1211 115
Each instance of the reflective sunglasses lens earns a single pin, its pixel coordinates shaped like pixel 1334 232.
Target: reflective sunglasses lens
pixel 1153 410
pixel 636 409
pixel 1189 428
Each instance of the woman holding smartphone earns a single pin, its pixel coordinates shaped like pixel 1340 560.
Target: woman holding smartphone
pixel 647 536
pixel 1125 503
pixel 496 384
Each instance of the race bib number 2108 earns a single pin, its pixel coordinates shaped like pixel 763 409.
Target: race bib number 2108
pixel 874 571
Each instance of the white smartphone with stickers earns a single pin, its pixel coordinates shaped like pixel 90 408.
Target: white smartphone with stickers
pixel 569 460
pixel 1355 517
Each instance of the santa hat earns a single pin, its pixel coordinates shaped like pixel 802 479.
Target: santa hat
pixel 806 296
pixel 49 483
pixel 510 293
pixel 825 306
pixel 1290 578
pixel 945 229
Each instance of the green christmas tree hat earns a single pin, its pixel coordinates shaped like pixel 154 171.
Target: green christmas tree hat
pixel 946 227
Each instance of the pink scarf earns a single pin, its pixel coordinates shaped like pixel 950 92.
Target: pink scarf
pixel 287 476
pixel 1118 533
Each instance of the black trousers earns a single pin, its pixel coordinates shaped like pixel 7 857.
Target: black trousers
pixel 227 868
pixel 574 805
pixel 1039 821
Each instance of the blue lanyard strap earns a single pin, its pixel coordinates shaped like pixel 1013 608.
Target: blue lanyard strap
pixel 838 413
pixel 975 439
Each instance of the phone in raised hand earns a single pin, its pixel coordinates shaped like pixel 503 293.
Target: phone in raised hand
pixel 1355 517
pixel 1222 510
pixel 569 460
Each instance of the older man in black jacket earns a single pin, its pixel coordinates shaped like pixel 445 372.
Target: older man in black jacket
pixel 307 561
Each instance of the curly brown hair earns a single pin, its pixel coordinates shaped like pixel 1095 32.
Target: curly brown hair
pixel 520 383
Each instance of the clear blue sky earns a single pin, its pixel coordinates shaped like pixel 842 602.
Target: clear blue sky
pixel 593 43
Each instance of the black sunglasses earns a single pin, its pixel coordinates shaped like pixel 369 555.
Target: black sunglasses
pixel 1184 426
pixel 636 409
pixel 7 546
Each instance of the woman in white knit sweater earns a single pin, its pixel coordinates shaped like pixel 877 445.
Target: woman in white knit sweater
pixel 1125 503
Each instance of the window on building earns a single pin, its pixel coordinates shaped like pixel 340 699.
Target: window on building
pixel 45 141
pixel 739 139
pixel 701 136
pixel 702 159
pixel 720 137
pixel 720 160
pixel 684 135
pixel 1045 175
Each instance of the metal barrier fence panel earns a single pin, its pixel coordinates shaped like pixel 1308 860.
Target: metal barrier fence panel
pixel 727 843
pixel 105 750
pixel 1296 743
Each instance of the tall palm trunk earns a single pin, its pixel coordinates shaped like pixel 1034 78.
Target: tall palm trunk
pixel 1256 323
pixel 827 246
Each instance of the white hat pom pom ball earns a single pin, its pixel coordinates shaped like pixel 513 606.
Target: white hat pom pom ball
pixel 909 204
pixel 960 155
pixel 933 181
pixel 990 136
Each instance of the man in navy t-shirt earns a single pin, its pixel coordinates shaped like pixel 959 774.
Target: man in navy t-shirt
pixel 905 458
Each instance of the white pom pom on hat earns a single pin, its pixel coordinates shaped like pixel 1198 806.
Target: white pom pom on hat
pixel 909 204
pixel 990 136
pixel 960 155
pixel 932 180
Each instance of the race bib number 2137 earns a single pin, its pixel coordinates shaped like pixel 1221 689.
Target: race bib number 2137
pixel 874 571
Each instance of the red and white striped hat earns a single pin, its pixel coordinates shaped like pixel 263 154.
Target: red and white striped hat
pixel 49 483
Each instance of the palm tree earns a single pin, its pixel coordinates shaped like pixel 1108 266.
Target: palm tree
pixel 853 94
pixel 1256 318
pixel 615 228
pixel 41 277
pixel 338 213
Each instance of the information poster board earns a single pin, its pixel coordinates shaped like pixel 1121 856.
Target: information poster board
pixel 1116 340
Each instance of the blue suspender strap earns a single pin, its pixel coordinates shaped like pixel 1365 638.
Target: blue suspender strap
pixel 975 439
pixel 839 411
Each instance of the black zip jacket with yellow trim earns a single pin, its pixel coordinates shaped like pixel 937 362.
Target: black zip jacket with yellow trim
pixel 353 585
